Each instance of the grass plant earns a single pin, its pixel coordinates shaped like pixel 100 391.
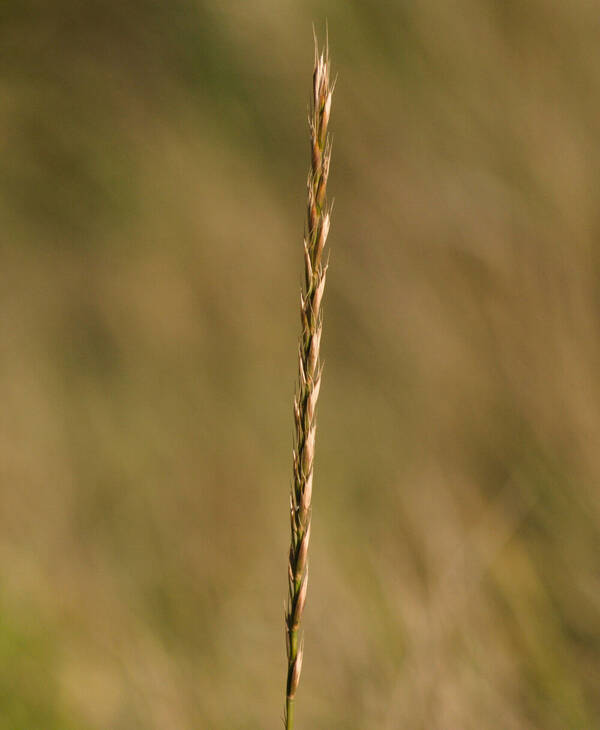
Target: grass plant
pixel 310 369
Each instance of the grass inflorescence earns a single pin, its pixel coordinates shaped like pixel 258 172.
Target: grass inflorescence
pixel 309 366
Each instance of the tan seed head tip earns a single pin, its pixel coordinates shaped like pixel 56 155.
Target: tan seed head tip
pixel 300 657
pixel 318 296
pixel 302 595
pixel 301 560
pixel 327 108
pixel 305 502
pixel 313 354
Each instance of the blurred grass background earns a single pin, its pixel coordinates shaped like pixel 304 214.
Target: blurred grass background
pixel 152 189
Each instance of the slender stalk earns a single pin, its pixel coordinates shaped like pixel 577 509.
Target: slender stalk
pixel 309 379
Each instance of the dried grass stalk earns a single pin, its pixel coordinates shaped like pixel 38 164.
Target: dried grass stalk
pixel 309 380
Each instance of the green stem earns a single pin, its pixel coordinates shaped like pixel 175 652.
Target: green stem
pixel 289 703
pixel 289 714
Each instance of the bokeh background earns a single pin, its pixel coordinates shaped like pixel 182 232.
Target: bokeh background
pixel 152 182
